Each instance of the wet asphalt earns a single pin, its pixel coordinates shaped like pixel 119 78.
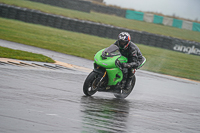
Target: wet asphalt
pixel 44 100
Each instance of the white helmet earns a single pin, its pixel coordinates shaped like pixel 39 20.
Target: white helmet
pixel 124 39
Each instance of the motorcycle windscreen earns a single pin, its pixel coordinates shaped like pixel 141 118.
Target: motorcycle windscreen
pixel 111 51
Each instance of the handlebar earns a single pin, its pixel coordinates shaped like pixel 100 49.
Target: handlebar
pixel 118 64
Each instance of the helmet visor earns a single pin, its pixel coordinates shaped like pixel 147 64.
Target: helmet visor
pixel 122 43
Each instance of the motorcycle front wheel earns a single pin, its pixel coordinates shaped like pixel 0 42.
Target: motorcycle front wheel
pixel 89 87
pixel 121 94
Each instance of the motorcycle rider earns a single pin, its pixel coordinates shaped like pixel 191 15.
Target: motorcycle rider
pixel 132 53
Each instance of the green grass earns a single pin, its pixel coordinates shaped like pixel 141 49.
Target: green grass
pixel 82 45
pixel 171 62
pixel 23 55
pixel 53 39
pixel 108 19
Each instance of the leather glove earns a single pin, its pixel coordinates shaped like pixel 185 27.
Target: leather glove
pixel 126 65
pixel 130 65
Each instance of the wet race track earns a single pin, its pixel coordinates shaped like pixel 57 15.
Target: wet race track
pixel 46 100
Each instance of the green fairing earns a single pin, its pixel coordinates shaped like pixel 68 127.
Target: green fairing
pixel 109 64
pixel 113 79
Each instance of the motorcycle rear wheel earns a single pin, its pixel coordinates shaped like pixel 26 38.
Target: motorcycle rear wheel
pixel 121 94
pixel 89 87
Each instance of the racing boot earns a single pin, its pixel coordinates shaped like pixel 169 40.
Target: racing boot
pixel 129 80
pixel 123 83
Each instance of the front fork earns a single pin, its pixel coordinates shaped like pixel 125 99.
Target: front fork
pixel 102 78
pixel 97 86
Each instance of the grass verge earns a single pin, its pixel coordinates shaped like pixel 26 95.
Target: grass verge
pixel 85 46
pixel 23 55
pixel 108 19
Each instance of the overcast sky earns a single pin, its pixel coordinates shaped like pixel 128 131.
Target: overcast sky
pixel 189 9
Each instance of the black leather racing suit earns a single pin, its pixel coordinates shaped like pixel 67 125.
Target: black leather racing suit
pixel 132 52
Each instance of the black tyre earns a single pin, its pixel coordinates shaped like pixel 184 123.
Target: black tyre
pixel 125 92
pixel 89 87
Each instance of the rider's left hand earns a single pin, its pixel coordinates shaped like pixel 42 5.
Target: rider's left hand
pixel 126 65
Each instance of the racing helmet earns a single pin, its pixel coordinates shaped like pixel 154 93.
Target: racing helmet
pixel 124 39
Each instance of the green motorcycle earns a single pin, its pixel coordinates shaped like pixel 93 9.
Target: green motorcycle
pixel 108 75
